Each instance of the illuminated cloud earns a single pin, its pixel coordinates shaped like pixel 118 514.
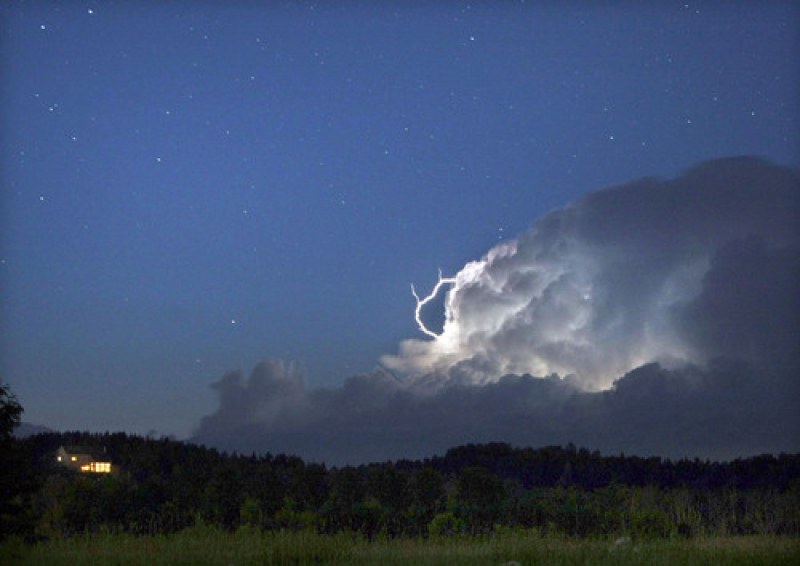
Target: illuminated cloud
pixel 658 317
pixel 593 289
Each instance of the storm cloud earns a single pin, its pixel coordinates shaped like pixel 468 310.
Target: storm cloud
pixel 598 287
pixel 657 317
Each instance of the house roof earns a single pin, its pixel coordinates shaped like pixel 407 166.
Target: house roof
pixel 76 450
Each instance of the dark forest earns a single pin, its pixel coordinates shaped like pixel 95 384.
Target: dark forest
pixel 164 486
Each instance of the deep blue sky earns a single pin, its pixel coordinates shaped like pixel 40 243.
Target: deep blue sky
pixel 189 188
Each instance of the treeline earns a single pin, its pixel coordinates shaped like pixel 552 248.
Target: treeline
pixel 164 486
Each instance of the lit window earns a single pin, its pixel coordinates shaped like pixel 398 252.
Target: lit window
pixel 74 458
pixel 58 458
pixel 98 467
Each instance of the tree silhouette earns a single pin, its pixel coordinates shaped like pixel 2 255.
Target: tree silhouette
pixel 10 413
pixel 14 482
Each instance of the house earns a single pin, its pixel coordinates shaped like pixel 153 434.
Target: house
pixel 82 458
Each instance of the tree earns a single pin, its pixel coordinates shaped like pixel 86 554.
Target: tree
pixel 427 488
pixel 345 498
pixel 389 487
pixel 10 413
pixel 16 482
pixel 479 499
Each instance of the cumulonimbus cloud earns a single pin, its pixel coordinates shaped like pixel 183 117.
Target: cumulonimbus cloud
pixel 657 317
pixel 593 289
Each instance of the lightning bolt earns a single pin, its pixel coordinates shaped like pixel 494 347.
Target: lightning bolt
pixel 421 302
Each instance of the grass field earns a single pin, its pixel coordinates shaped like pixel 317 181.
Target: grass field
pixel 206 545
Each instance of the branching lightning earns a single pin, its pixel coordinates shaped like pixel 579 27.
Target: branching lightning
pixel 421 302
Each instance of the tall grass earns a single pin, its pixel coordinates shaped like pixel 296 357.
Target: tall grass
pixel 207 545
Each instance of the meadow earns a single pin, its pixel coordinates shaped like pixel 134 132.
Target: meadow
pixel 202 544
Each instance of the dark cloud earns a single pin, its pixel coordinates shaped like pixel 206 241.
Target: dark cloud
pixel 665 313
pixel 749 306
pixel 274 389
pixel 723 411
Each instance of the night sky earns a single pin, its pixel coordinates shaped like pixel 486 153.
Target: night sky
pixel 191 188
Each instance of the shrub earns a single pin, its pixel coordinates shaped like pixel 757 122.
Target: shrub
pixel 445 524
